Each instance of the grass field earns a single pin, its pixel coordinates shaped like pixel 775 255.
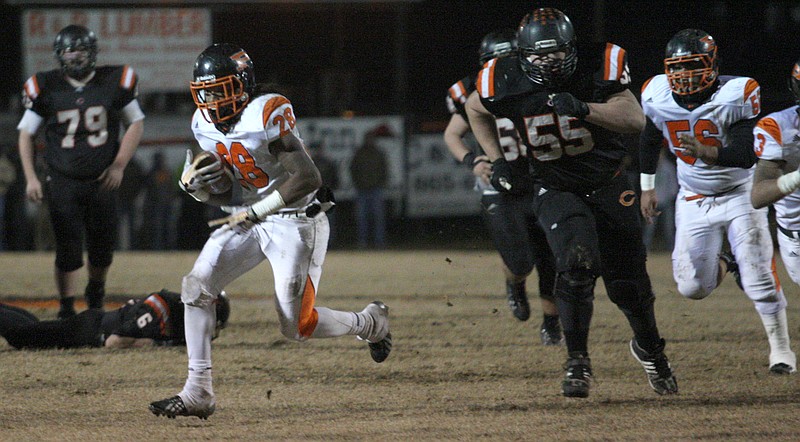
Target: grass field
pixel 462 367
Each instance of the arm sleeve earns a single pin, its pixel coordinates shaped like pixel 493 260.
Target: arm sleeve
pixel 739 151
pixel 650 142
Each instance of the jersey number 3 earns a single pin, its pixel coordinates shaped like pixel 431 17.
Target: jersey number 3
pixel 550 138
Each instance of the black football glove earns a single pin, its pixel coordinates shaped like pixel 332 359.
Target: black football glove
pixel 469 160
pixel 565 103
pixel 501 175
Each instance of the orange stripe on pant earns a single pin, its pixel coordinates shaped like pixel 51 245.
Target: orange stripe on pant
pixel 308 314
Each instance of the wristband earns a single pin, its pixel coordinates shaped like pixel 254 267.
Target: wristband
pixel 269 205
pixel 789 183
pixel 647 181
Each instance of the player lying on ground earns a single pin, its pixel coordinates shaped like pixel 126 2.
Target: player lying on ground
pixel 153 320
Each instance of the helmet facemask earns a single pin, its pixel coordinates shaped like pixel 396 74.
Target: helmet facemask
pixel 75 48
pixel 220 99
pixel 690 74
pixel 548 67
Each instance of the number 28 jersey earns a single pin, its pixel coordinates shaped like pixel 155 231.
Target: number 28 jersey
pixel 736 98
pixel 566 152
pixel 265 119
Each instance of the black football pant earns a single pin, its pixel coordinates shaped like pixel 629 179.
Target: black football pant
pixel 518 237
pixel 23 329
pixel 598 235
pixel 78 209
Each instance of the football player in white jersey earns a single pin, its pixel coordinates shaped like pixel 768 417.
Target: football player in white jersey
pixel 776 180
pixel 707 121
pixel 277 214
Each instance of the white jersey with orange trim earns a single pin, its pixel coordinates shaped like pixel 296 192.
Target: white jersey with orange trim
pixel 246 147
pixel 737 98
pixel 777 138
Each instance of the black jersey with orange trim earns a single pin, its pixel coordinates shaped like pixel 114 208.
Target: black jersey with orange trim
pixel 458 94
pixel 82 125
pixel 567 153
pixel 158 317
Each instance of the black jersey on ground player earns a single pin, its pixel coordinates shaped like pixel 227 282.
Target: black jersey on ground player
pixel 567 153
pixel 82 124
pixel 158 317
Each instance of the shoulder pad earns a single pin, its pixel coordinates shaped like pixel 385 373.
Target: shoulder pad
pixel 460 90
pixel 501 77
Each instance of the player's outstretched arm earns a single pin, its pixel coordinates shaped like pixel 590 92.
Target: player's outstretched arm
pixel 766 188
pixel 484 127
pixel 620 113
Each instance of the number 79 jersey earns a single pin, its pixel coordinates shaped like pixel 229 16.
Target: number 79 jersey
pixel 736 99
pixel 246 146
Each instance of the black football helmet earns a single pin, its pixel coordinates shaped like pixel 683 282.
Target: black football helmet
pixel 542 32
pixel 224 81
pixel 794 82
pixel 75 48
pixel 691 62
pixel 497 44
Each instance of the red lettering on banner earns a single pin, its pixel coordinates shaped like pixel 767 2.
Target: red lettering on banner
pixel 36 25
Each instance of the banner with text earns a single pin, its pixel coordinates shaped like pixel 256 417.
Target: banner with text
pixel 160 44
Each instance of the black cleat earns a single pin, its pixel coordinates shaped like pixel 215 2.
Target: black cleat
pixel 381 349
pixel 578 377
pixel 377 333
pixel 732 267
pixel 518 300
pixel 551 334
pixel 65 313
pixel 174 406
pixel 656 366
pixel 781 368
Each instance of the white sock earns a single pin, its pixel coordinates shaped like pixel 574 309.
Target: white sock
pixel 332 323
pixel 777 332
pixel 199 324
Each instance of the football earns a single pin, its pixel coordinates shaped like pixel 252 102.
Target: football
pixel 209 172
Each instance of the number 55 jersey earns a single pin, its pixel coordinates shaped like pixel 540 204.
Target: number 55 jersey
pixel 570 154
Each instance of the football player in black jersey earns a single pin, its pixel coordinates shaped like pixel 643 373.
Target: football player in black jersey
pixel 81 108
pixel 570 112
pixel 154 320
pixel 515 232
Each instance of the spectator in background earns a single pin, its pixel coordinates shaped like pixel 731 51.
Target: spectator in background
pixel 666 192
pixel 129 190
pixel 370 174
pixel 160 191
pixel 330 179
pixel 8 175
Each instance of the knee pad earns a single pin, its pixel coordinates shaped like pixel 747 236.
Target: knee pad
pixel 692 290
pixel 630 294
pixel 577 284
pixel 195 292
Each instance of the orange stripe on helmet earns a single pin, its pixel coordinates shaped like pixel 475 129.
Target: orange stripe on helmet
pixel 270 107
pixel 308 314
pixel 751 86
pixel 770 126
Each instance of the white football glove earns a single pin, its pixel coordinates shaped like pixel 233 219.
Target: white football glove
pixel 204 175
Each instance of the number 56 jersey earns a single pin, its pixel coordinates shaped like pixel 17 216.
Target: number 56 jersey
pixel 265 119
pixel 736 99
